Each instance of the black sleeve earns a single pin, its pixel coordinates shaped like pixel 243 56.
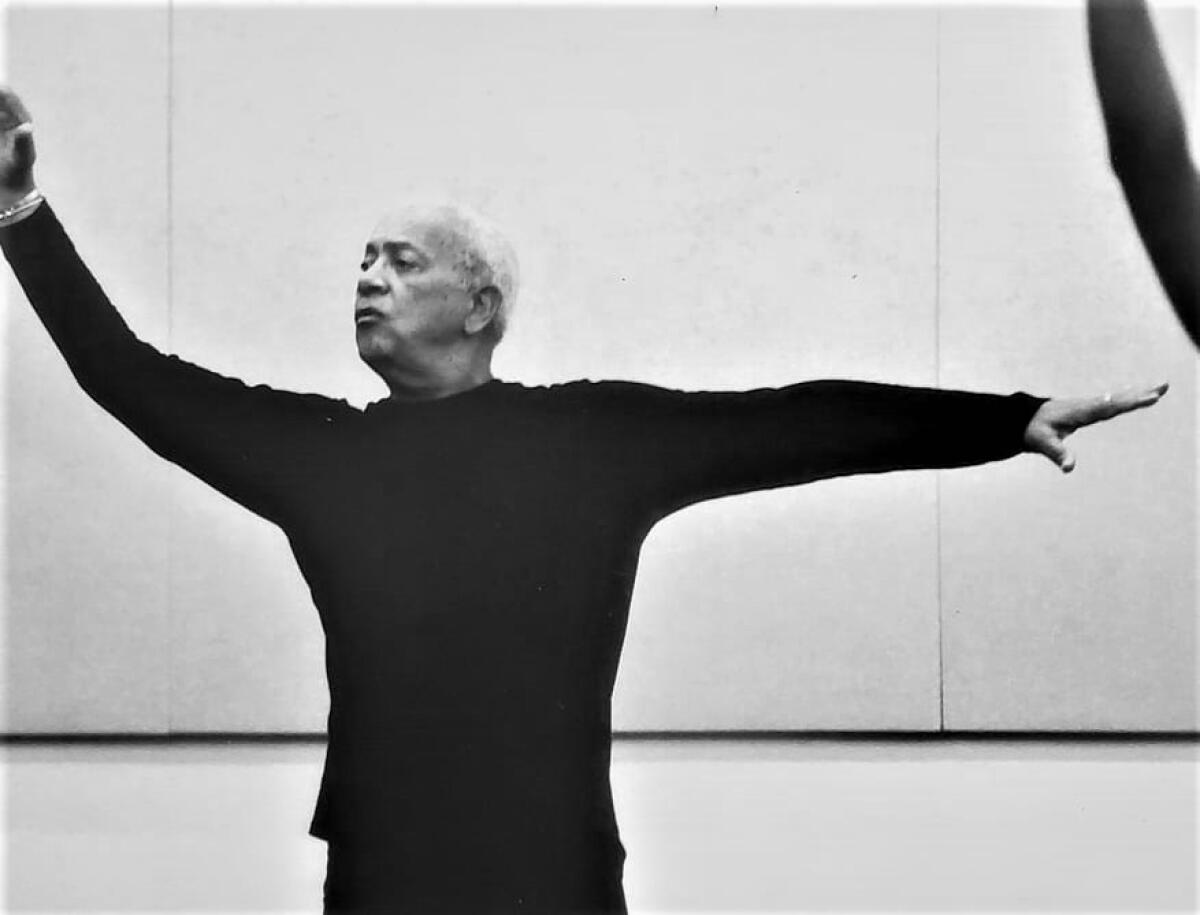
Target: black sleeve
pixel 256 445
pixel 675 448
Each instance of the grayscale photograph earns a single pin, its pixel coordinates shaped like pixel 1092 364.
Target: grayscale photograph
pixel 591 459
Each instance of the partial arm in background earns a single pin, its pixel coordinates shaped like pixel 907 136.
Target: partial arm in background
pixel 1148 147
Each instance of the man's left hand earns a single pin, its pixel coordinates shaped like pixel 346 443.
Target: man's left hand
pixel 1056 419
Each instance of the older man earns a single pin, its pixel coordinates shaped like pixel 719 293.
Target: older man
pixel 471 543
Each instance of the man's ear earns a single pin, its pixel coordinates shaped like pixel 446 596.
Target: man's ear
pixel 485 304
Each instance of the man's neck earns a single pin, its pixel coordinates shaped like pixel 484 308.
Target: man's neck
pixel 444 378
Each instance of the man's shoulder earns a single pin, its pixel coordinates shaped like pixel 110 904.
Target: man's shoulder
pixel 312 405
pixel 586 389
pixel 585 395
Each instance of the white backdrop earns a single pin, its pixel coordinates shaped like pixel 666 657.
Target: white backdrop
pixel 703 198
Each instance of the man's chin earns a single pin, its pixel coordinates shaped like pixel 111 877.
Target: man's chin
pixel 370 350
pixel 379 354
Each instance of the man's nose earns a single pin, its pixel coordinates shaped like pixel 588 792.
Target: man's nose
pixel 370 287
pixel 370 283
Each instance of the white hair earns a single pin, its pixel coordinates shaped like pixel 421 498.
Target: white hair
pixel 483 256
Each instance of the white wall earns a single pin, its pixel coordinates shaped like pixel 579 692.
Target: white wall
pixel 1065 602
pixel 708 825
pixel 703 198
pixel 86 593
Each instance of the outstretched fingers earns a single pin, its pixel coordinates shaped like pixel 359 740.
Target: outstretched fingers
pixel 1108 406
pixel 1056 419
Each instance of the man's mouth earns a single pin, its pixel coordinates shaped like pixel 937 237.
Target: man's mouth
pixel 365 314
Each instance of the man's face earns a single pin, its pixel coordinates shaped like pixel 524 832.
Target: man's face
pixel 411 302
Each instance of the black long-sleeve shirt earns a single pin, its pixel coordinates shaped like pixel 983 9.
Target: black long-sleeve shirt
pixel 472 561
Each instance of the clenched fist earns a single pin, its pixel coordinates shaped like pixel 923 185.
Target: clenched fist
pixel 17 153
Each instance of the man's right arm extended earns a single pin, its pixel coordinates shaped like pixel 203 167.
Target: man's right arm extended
pixel 254 444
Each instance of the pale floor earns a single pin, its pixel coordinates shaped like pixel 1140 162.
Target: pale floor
pixel 711 825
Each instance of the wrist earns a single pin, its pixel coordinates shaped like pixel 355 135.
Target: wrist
pixel 22 208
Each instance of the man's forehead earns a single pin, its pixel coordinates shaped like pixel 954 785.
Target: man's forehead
pixel 421 230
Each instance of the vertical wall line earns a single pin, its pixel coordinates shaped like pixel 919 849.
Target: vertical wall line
pixel 937 342
pixel 7 304
pixel 1194 121
pixel 170 256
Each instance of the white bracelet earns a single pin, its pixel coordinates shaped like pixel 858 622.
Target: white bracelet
pixel 26 203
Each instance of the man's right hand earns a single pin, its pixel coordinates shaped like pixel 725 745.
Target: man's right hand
pixel 17 153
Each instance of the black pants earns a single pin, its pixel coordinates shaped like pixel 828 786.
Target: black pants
pixel 354 882
pixel 370 880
